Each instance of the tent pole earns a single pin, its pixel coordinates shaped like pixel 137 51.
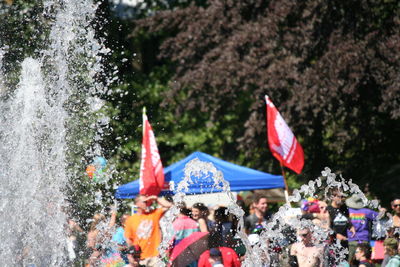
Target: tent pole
pixel 286 192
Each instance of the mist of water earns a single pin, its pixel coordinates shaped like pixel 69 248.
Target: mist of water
pixel 34 129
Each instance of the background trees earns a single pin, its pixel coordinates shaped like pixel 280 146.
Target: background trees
pixel 332 68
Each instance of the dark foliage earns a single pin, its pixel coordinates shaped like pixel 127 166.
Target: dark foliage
pixel 332 68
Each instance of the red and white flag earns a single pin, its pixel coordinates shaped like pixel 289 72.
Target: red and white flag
pixel 282 142
pixel 151 179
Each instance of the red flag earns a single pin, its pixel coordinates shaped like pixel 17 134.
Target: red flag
pixel 151 179
pixel 282 142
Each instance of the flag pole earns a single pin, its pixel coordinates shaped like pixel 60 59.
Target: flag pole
pixel 286 191
pixel 143 119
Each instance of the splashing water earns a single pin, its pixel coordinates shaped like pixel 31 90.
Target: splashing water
pixel 30 191
pixel 34 127
pixel 280 233
pixel 206 170
pixel 281 230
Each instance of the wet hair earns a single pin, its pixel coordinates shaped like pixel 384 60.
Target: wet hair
pixel 258 197
pixel 366 249
pixel 199 206
pixel 394 199
pixel 333 191
pixel 221 214
pixel 202 208
pixel 185 211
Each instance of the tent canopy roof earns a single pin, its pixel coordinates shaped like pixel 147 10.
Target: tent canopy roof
pixel 240 178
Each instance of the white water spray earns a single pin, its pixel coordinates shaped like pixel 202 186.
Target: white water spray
pixel 34 128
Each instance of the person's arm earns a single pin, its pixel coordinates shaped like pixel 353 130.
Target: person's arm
pixel 113 218
pixel 373 215
pixel 165 204
pixel 382 210
pixel 350 226
pixel 91 239
pixel 74 226
pixel 202 225
pixel 352 230
pixel 341 237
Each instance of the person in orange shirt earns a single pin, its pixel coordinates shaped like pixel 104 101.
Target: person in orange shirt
pixel 143 228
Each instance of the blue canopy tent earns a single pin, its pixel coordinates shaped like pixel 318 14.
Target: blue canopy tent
pixel 240 178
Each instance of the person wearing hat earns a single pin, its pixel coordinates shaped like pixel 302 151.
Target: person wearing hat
pixel 361 218
pixel 391 246
pixel 215 258
pixel 218 256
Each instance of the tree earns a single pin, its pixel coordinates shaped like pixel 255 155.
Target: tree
pixel 28 20
pixel 331 67
pixel 142 81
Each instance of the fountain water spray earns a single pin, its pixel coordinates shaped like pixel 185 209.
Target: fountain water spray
pixel 34 128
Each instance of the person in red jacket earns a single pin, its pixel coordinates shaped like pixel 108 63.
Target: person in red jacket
pixel 229 257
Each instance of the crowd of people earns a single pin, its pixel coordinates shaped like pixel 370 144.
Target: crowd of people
pixel 350 227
